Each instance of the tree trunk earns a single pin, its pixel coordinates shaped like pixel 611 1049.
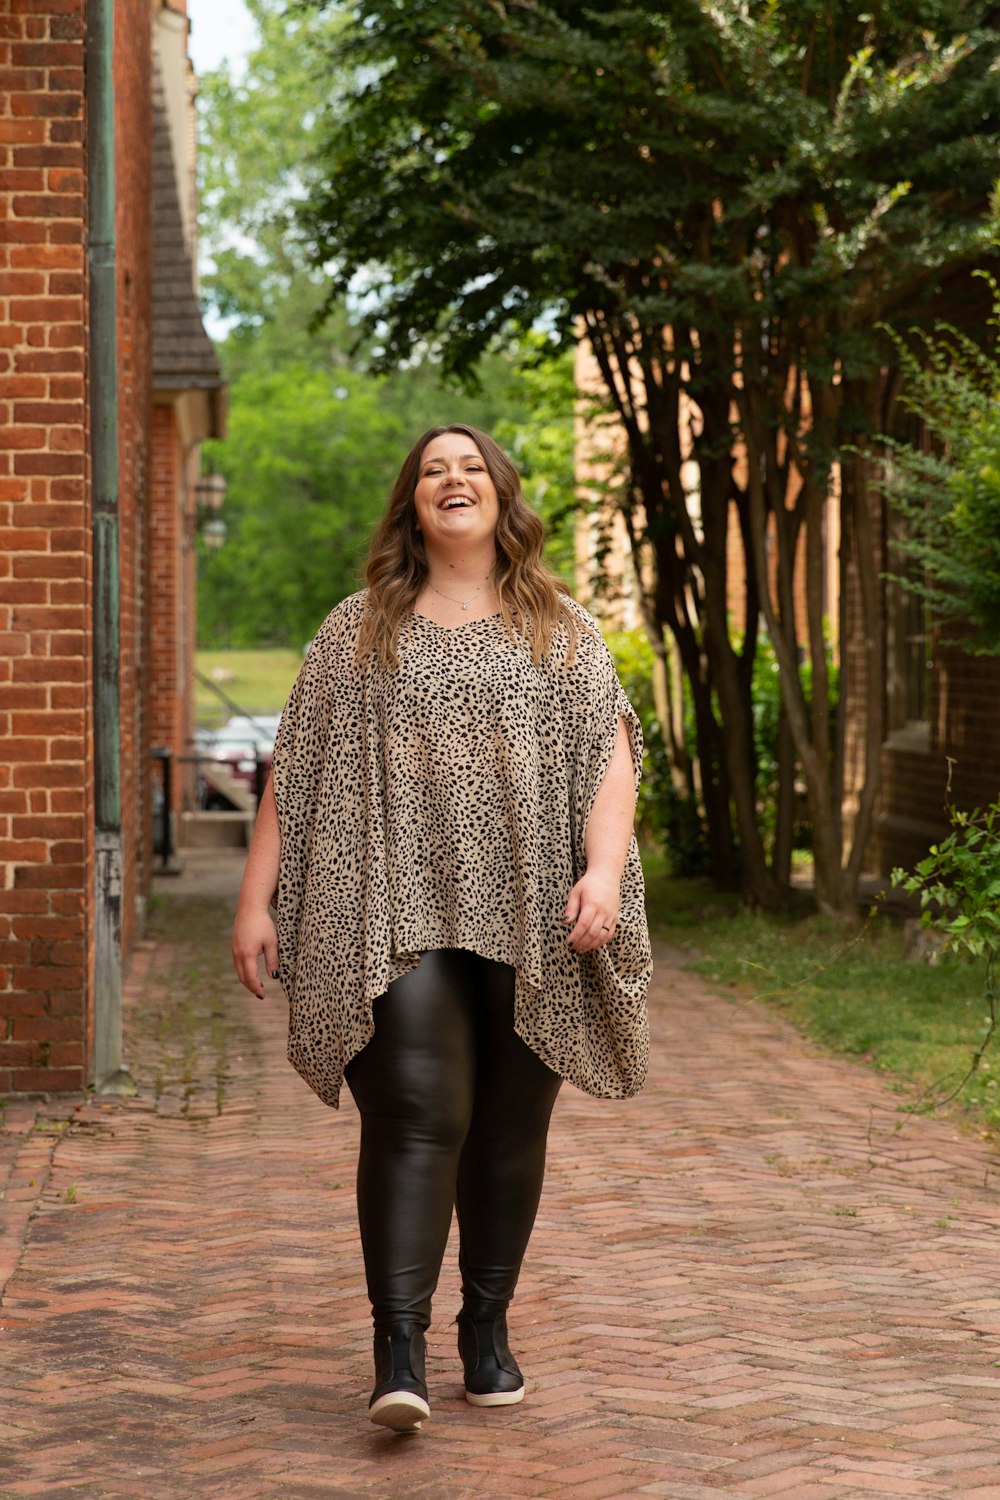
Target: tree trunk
pixel 713 768
pixel 867 552
pixel 781 854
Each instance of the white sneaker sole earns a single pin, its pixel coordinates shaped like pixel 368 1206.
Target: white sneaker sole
pixel 402 1411
pixel 495 1398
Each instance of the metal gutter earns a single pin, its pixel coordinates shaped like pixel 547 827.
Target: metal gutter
pixel 108 1073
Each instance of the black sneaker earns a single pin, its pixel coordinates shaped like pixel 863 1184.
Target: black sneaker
pixel 399 1400
pixel 492 1377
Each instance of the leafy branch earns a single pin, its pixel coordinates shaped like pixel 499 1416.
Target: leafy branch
pixel 947 487
pixel 958 884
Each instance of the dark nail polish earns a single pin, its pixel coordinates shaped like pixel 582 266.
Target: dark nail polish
pixel 274 973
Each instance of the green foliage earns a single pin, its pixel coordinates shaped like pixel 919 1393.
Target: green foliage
pixel 309 460
pixel 633 658
pixel 959 888
pixel 486 168
pixel 671 816
pixel 315 437
pixel 304 487
pixel 727 199
pixel 540 439
pixel 948 487
pixel 666 816
pixel 257 139
pixel 768 728
pixel 959 884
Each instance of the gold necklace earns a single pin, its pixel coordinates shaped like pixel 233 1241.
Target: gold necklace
pixel 463 602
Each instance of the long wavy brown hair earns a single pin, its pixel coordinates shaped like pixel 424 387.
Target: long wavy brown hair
pixel 532 599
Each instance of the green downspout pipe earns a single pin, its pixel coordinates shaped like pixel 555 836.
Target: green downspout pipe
pixel 108 1074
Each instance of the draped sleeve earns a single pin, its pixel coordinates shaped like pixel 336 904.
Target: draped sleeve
pixel 323 799
pixel 597 1034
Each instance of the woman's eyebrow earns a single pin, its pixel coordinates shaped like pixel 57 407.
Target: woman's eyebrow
pixel 465 458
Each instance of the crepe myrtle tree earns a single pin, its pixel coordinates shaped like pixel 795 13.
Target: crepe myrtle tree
pixel 727 197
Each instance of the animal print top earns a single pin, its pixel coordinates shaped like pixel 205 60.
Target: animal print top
pixel 443 805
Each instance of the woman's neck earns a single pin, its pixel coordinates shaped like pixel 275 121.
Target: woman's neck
pixel 458 587
pixel 464 570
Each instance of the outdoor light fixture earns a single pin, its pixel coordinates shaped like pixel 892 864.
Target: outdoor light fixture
pixel 210 496
pixel 213 532
pixel 210 492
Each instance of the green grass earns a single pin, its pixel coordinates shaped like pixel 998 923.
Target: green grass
pixel 851 990
pixel 258 681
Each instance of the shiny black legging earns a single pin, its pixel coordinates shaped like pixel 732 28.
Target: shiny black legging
pixel 454 1112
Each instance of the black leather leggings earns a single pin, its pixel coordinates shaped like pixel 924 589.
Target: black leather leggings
pixel 454 1112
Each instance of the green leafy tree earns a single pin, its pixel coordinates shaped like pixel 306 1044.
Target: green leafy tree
pixel 726 199
pixel 315 436
pixel 311 455
pixel 257 136
pixel 947 487
pixel 958 884
pixel 305 460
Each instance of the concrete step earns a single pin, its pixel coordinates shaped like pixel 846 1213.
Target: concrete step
pixel 216 830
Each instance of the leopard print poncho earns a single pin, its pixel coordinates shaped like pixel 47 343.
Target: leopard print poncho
pixel 443 805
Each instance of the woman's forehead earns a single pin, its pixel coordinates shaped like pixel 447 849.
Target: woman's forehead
pixel 450 445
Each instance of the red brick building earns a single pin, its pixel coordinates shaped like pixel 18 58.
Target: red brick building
pixel 942 720
pixel 96 563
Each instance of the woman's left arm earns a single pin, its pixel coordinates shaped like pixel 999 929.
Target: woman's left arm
pixel 592 909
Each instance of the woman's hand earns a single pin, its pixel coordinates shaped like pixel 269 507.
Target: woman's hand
pixel 592 910
pixel 254 934
pixel 253 931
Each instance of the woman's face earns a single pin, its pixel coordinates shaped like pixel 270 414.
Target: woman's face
pixel 455 498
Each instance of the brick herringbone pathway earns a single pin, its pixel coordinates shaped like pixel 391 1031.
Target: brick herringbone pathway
pixel 745 1282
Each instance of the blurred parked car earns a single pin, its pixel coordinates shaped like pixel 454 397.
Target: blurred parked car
pixel 240 744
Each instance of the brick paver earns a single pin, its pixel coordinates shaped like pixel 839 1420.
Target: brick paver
pixel 746 1281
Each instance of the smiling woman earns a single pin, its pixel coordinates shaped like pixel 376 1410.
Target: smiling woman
pixel 457 511
pixel 492 547
pixel 460 920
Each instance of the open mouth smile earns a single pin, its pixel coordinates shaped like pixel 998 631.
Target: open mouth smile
pixel 455 502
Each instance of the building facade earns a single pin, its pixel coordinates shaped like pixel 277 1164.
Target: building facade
pixel 101 426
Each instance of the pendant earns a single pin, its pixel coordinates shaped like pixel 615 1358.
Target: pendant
pixel 465 606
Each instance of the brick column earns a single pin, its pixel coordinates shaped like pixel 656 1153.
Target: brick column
pixel 46 846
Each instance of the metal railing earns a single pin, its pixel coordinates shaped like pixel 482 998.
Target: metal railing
pixel 164 842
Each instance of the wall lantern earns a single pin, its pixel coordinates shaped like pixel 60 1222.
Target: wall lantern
pixel 210 492
pixel 213 532
pixel 210 496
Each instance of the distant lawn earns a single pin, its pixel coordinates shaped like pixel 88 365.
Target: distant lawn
pixel 854 992
pixel 258 681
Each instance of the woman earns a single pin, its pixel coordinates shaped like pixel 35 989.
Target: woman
pixel 460 920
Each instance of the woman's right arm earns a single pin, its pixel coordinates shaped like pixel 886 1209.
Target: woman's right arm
pixel 254 932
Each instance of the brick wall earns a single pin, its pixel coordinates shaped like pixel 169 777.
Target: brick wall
pixel 173 599
pixel 965 729
pixel 45 636
pixel 133 174
pixel 166 667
